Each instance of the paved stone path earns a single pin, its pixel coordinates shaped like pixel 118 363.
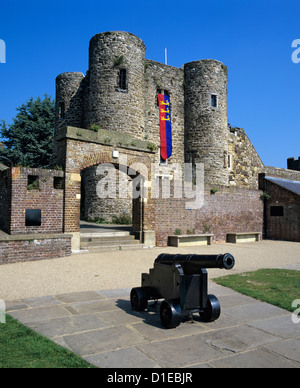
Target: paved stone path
pixel 101 328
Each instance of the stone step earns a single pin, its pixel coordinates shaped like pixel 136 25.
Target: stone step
pixel 108 239
pixel 120 247
pixel 107 242
pixel 104 234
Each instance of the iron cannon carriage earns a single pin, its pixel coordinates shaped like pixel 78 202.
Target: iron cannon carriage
pixel 182 281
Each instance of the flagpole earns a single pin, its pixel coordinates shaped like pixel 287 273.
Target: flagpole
pixel 166 56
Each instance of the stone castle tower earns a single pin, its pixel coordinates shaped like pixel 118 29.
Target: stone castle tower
pixel 206 126
pixel 119 93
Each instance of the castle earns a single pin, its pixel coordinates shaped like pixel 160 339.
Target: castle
pixel 119 93
pixel 112 114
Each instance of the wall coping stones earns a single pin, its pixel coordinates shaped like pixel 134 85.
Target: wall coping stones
pixel 26 237
pixel 106 137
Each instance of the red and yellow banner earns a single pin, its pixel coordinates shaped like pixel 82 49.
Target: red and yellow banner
pixel 165 126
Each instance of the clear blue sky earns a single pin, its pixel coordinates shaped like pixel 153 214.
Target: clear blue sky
pixel 253 38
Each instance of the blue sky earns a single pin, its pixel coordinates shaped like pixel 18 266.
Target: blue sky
pixel 253 38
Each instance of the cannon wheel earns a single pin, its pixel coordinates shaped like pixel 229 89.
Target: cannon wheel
pixel 213 309
pixel 138 299
pixel 170 314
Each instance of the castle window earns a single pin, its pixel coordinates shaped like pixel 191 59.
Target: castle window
pixel 123 79
pixel 276 211
pixel 33 182
pixel 214 101
pixel 61 110
pixel 230 162
pixel 58 183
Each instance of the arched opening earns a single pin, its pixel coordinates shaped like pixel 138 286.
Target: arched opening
pixel 111 194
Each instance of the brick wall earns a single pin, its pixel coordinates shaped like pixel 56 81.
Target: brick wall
pixel 286 226
pixel 43 196
pixel 32 248
pixel 5 200
pixel 227 211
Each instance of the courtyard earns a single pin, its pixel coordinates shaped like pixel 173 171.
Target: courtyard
pixel 82 303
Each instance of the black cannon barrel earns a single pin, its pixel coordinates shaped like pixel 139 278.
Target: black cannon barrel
pixel 192 263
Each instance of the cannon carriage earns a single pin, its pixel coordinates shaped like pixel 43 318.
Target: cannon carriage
pixel 182 281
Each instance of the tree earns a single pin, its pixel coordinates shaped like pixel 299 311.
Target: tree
pixel 29 140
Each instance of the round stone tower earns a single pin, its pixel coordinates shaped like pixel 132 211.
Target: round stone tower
pixel 68 100
pixel 206 127
pixel 116 83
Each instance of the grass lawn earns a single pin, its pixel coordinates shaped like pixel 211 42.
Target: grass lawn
pixel 21 347
pixel 275 286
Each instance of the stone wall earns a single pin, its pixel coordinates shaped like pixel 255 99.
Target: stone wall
pixel 244 163
pixel 111 105
pixel 93 207
pixel 69 93
pixel 169 80
pixel 282 173
pixel 206 132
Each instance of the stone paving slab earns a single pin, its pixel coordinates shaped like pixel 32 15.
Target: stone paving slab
pixel 101 327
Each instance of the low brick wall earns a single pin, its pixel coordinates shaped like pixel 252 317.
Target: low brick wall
pixel 228 211
pixel 34 247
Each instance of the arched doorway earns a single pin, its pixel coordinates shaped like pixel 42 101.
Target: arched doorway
pixel 76 155
pixel 112 194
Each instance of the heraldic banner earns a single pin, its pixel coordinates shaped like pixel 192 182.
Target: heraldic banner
pixel 165 126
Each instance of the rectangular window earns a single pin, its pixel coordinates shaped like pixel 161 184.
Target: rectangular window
pixel 230 161
pixel 123 79
pixel 33 182
pixel 58 183
pixel 33 217
pixel 61 110
pixel 277 211
pixel 214 101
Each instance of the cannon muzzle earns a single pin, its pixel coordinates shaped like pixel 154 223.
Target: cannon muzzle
pixel 193 263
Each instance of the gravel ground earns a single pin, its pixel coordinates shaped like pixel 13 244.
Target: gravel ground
pixel 122 269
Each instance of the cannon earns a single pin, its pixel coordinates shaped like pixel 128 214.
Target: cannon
pixel 182 281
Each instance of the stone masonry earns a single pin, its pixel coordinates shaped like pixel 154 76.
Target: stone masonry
pixel 118 95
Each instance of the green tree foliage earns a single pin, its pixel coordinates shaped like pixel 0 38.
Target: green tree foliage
pixel 29 140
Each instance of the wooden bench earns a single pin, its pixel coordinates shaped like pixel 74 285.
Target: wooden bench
pixel 243 237
pixel 190 240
